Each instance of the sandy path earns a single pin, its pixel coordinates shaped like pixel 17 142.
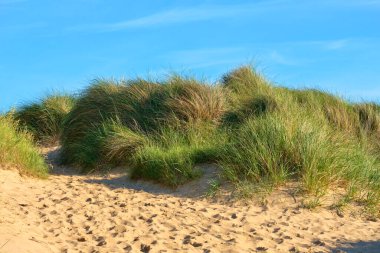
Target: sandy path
pixel 74 213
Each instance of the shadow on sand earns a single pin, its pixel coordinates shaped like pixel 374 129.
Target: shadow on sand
pixel 119 179
pixel 359 247
pixel 193 189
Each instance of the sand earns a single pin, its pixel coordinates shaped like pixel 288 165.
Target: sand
pixel 109 213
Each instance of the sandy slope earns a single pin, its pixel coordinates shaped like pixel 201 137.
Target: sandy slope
pixel 74 213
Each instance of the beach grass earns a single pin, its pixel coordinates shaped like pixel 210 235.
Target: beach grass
pixel 257 133
pixel 17 150
pixel 44 118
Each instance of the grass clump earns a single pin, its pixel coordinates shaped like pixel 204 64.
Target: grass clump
pixel 111 144
pixel 249 94
pixel 17 150
pixel 278 150
pixel 193 102
pixel 142 107
pixel 122 143
pixel 102 102
pixel 369 119
pixel 172 166
pixel 339 113
pixel 44 118
pixel 170 156
pixel 280 135
pixel 244 81
pixel 261 136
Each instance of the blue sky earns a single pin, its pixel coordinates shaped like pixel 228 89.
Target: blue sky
pixel 50 46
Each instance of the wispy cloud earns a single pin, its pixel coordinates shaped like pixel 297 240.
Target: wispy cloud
pixel 286 53
pixel 352 43
pixel 331 44
pixel 335 44
pixel 209 12
pixel 181 15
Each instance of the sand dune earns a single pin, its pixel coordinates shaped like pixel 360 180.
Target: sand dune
pixel 94 213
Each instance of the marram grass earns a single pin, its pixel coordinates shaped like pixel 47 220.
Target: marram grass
pixel 17 150
pixel 257 133
pixel 44 119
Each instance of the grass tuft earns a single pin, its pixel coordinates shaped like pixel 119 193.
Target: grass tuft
pixel 17 150
pixel 140 106
pixel 44 119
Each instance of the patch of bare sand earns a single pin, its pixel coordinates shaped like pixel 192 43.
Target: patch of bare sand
pixel 93 213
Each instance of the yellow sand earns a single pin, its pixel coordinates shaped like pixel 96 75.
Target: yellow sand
pixel 76 213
